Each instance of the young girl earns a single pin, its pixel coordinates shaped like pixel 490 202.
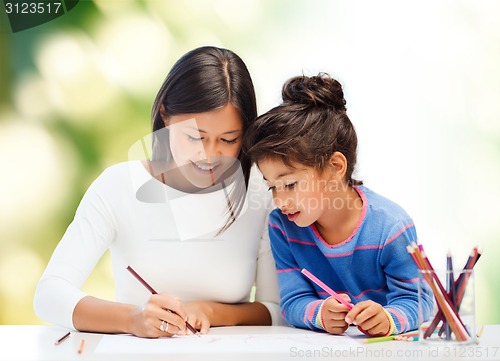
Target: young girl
pixel 189 218
pixel 351 238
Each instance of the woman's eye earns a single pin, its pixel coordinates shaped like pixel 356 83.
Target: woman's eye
pixel 193 139
pixel 272 188
pixel 230 141
pixel 290 185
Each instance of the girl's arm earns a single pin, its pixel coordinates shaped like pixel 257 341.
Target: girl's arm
pixel 300 303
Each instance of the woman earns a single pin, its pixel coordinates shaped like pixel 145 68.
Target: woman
pixel 190 218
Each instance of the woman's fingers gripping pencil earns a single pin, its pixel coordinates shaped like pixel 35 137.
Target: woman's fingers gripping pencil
pixel 153 291
pixel 326 288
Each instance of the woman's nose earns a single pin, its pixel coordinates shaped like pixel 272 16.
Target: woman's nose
pixel 211 150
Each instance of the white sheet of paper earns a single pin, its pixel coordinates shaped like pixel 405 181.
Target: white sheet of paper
pixel 224 343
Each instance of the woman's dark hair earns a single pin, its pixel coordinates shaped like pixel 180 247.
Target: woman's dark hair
pixel 307 127
pixel 204 79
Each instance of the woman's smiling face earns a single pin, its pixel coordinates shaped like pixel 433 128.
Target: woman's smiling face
pixel 205 145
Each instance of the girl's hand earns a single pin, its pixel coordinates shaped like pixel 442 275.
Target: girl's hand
pixel 333 315
pixel 199 315
pixel 370 317
pixel 163 315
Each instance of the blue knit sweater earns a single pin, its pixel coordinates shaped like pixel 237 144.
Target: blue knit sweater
pixel 372 264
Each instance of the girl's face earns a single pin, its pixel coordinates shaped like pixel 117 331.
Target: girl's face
pixel 205 145
pixel 302 193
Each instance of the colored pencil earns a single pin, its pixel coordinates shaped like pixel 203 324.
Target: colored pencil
pixel 447 306
pixel 59 341
pixel 152 290
pixel 400 337
pixel 411 338
pixel 459 286
pixel 440 294
pixel 450 278
pixel 464 277
pixel 480 332
pixel 380 339
pixel 326 288
pixel 82 343
pixel 458 300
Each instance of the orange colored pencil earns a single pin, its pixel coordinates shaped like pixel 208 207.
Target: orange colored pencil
pixel 82 344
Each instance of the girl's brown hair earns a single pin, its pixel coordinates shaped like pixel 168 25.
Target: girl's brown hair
pixel 307 127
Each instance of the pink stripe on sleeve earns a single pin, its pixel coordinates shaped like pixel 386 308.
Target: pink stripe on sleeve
pixel 398 234
pixel 399 316
pixel 311 308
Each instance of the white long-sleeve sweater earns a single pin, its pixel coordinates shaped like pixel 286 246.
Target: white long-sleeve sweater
pixel 168 237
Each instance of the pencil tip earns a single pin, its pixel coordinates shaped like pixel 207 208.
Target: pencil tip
pixel 480 332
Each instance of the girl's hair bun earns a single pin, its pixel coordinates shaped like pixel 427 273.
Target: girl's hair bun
pixel 321 90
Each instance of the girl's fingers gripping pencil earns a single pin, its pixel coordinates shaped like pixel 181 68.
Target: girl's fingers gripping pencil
pixel 326 288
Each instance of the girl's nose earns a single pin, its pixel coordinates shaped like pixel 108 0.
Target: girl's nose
pixel 282 204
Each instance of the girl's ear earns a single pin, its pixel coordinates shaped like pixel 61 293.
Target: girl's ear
pixel 338 165
pixel 164 115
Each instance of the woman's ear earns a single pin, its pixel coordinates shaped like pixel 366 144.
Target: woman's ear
pixel 338 165
pixel 164 115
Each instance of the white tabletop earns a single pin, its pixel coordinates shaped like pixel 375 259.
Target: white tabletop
pixel 241 343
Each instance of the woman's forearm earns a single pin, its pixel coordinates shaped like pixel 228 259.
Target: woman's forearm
pixel 97 315
pixel 250 313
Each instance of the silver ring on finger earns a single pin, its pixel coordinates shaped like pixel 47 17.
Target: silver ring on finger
pixel 162 325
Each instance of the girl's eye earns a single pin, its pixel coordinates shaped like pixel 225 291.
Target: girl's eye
pixel 193 139
pixel 272 188
pixel 230 141
pixel 291 185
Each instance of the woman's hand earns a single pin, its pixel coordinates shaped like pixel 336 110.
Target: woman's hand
pixel 333 314
pixel 370 318
pixel 199 315
pixel 162 315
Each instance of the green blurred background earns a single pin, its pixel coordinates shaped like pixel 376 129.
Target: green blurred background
pixel 421 80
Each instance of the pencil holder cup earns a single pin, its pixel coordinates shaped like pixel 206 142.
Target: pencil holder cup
pixel 450 297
